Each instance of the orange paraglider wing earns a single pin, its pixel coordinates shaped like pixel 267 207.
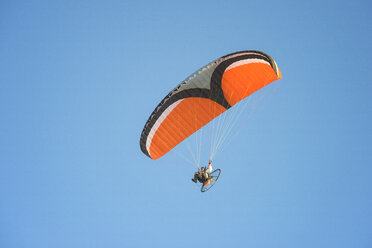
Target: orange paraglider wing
pixel 203 96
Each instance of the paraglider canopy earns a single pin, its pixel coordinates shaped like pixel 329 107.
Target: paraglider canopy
pixel 203 96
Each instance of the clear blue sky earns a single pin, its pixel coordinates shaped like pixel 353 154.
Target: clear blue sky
pixel 80 78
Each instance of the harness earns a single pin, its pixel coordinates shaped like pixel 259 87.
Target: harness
pixel 203 176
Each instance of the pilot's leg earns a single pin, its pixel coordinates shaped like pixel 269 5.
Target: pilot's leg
pixel 195 178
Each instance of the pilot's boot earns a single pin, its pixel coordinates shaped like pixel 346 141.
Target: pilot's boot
pixel 194 180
